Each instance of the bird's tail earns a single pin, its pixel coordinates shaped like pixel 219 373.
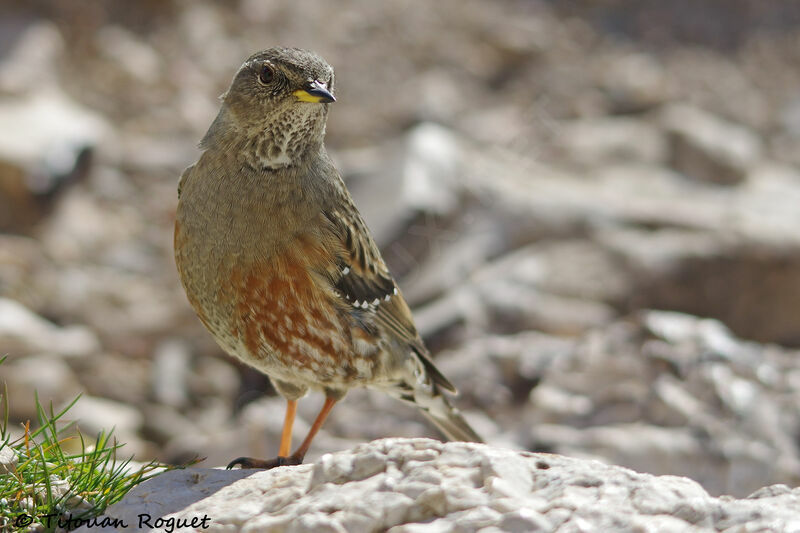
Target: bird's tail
pixel 448 419
pixel 426 392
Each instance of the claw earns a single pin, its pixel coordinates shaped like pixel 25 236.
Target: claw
pixel 249 462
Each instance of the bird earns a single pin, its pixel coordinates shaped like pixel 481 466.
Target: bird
pixel 279 265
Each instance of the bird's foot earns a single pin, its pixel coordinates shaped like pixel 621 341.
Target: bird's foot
pixel 249 462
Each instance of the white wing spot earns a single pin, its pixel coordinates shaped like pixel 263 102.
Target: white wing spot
pixel 357 303
pixel 388 297
pixel 363 366
pixel 345 271
pixel 364 305
pixel 394 291
pixel 376 301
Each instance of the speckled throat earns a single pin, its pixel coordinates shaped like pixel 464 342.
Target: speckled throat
pixel 281 139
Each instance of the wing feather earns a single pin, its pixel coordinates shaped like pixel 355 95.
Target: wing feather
pixel 363 281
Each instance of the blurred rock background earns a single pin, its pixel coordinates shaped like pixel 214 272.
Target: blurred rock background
pixel 591 205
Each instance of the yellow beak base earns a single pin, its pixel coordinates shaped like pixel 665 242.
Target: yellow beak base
pixel 305 96
pixel 314 96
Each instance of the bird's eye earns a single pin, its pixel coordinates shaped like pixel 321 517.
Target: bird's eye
pixel 266 75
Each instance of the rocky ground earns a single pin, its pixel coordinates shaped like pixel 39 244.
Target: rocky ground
pixel 592 208
pixel 419 485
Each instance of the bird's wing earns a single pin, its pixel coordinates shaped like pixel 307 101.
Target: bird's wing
pixel 363 282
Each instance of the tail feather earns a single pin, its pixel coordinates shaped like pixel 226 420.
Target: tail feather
pixel 422 385
pixel 436 408
pixel 450 421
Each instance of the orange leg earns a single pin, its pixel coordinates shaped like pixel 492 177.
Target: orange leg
pixel 286 439
pixel 323 414
pixel 288 422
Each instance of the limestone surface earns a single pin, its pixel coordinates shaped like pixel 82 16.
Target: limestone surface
pixel 422 485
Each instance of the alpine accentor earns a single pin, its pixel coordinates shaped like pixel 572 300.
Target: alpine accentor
pixel 278 263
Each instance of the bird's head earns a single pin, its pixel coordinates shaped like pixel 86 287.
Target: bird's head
pixel 278 104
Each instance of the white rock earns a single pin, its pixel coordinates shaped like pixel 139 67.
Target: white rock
pixel 430 173
pixel 635 82
pixel 368 464
pixel 50 377
pixel 24 332
pixel 709 148
pixel 593 141
pixel 331 468
pixel 8 460
pixel 135 56
pixel 419 174
pixel 524 521
pixel 561 493
pixel 94 415
pixel 512 470
pixel 32 61
pixel 169 373
pixel 45 130
pixel 634 192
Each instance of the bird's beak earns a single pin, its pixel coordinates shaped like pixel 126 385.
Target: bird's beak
pixel 316 93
